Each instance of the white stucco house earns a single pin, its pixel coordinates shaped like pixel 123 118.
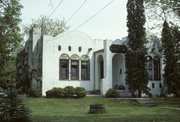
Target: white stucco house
pixel 75 59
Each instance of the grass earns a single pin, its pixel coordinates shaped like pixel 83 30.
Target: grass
pixel 76 110
pixel 168 102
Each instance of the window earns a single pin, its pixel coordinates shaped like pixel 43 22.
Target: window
pixel 152 85
pixel 59 47
pixel 120 71
pixel 157 69
pixel 153 68
pixel 85 70
pixel 71 68
pixel 85 67
pixel 74 67
pixel 160 85
pixel 64 67
pixel 79 49
pixel 74 70
pixel 69 48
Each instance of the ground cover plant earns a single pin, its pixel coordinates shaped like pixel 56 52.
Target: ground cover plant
pixel 76 110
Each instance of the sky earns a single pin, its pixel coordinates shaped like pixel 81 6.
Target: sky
pixel 110 23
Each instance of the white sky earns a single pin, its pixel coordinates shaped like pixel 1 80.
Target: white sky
pixel 109 24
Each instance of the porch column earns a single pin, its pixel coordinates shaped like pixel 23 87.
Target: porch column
pixel 107 81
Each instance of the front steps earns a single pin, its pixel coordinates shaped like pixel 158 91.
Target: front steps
pixel 124 93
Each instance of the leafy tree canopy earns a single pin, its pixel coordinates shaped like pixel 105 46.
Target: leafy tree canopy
pixel 135 57
pixel 158 11
pixel 50 26
pixel 10 38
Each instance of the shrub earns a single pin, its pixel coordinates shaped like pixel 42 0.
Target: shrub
pixel 33 93
pixel 69 91
pixel 55 93
pixel 80 92
pixel 12 108
pixel 49 93
pixel 111 93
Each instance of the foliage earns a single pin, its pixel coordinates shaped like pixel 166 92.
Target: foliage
pixel 80 92
pixel 69 91
pixel 13 109
pixel 111 93
pixel 33 93
pixel 171 73
pixel 10 39
pixel 135 57
pixel 55 93
pixel 170 5
pixel 50 26
pixel 166 10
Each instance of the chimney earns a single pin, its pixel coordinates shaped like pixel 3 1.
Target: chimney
pixel 35 35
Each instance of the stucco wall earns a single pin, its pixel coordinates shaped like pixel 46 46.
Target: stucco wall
pixel 51 56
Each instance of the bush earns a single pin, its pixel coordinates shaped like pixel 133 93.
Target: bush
pixel 80 92
pixel 55 93
pixel 33 93
pixel 111 93
pixel 69 91
pixel 12 108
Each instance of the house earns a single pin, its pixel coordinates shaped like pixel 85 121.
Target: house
pixel 75 59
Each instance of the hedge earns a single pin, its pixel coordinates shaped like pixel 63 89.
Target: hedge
pixel 67 92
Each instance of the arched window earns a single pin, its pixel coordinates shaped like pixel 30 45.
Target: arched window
pixel 74 67
pixel 69 48
pixel 153 68
pixel 149 67
pixel 64 67
pixel 156 62
pixel 79 49
pixel 85 67
pixel 59 47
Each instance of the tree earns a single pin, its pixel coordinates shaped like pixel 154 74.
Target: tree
pixel 166 10
pixel 12 108
pixel 10 39
pixel 50 26
pixel 135 57
pixel 170 5
pixel 171 73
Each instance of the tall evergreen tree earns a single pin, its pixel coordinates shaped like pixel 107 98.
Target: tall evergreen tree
pixel 171 74
pixel 135 57
pixel 10 38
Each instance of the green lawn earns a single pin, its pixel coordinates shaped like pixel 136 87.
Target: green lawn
pixel 168 102
pixel 76 110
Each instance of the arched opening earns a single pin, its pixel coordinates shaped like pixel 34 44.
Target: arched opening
pixel 101 67
pixel 118 71
pixel 100 71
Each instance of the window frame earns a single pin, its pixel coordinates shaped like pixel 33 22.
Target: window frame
pixel 88 69
pixel 64 57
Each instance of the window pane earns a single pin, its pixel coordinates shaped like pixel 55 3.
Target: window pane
pixel 85 70
pixel 74 69
pixel 157 70
pixel 64 69
pixel 149 69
